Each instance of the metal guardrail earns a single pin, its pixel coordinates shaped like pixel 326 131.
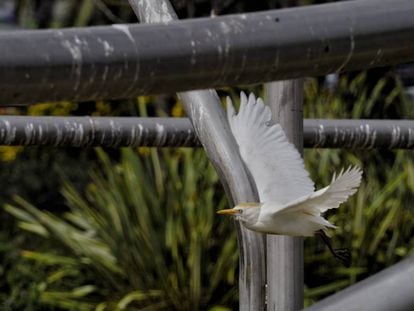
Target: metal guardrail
pixel 123 61
pixel 390 289
pixel 206 114
pixel 178 132
pixel 284 254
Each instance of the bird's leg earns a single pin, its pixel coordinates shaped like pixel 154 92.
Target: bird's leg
pixel 342 254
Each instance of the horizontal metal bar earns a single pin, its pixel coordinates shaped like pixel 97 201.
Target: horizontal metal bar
pixel 97 131
pixel 178 132
pixel 390 289
pixel 123 61
pixel 359 134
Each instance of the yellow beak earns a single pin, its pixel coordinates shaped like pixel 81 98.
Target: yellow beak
pixel 227 212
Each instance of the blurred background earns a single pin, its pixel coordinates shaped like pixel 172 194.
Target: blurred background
pixel 135 229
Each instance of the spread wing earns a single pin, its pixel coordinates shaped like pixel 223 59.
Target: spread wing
pixel 340 189
pixel 274 163
pixel 303 216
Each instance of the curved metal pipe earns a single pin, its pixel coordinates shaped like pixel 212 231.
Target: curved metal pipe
pixel 390 289
pixel 210 124
pixel 123 61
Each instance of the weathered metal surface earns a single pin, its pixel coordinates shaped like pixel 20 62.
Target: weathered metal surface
pixel 359 134
pixel 390 289
pixel 210 123
pixel 123 61
pixel 179 132
pixel 96 131
pixel 284 253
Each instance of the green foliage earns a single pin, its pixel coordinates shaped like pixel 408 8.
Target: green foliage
pixel 144 234
pixel 376 223
pixel 34 173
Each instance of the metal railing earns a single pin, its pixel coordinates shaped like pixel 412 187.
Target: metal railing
pixel 118 132
pixel 123 61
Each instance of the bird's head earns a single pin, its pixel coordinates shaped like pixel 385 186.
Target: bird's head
pixel 246 212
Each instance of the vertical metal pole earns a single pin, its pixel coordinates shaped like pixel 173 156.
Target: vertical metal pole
pixel 210 123
pixel 285 254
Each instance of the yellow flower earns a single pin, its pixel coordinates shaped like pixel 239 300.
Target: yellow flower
pixel 178 110
pixel 62 108
pixel 103 108
pixel 9 153
pixel 144 151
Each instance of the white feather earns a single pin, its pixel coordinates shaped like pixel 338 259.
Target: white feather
pixel 306 211
pixel 341 187
pixel 274 163
pixel 290 204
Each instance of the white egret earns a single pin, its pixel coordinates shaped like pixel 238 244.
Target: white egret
pixel 289 204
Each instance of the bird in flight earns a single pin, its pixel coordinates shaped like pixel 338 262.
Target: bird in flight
pixel 289 204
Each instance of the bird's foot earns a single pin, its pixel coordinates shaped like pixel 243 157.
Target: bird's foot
pixel 344 255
